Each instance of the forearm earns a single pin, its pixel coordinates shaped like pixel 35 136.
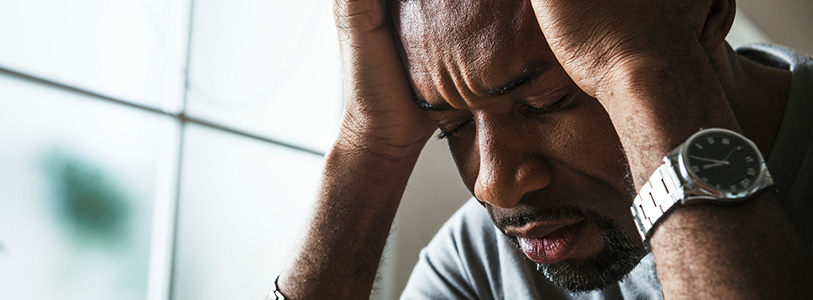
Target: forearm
pixel 748 251
pixel 656 103
pixel 357 203
pixel 704 251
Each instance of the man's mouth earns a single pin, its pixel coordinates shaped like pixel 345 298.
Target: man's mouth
pixel 546 244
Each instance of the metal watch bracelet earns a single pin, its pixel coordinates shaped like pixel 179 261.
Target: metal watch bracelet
pixel 656 197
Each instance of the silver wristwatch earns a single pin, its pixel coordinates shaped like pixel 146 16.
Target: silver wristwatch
pixel 713 166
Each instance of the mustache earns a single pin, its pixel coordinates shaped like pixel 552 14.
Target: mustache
pixel 520 219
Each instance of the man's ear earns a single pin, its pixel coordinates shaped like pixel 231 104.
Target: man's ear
pixel 719 19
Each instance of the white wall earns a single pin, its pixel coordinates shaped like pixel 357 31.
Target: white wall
pixel 787 22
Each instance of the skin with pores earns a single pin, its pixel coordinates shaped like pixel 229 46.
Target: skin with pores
pixel 525 138
pixel 537 100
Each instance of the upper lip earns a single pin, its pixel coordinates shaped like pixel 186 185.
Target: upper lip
pixel 541 228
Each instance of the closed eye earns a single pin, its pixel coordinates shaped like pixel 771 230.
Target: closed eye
pixel 553 107
pixel 561 104
pixel 454 132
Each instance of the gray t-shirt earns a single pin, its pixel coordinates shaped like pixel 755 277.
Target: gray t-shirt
pixel 470 259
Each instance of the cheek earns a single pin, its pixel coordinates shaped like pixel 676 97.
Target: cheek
pixel 595 147
pixel 467 159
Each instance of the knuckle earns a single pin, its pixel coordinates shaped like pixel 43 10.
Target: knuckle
pixel 358 15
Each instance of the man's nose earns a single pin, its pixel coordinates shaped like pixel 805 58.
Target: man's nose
pixel 509 167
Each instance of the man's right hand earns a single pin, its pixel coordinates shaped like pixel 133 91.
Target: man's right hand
pixel 380 116
pixel 366 172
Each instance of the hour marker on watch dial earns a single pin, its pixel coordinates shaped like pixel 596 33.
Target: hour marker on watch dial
pixel 723 159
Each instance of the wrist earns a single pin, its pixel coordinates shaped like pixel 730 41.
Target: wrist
pixel 665 81
pixel 714 166
pixel 359 158
pixel 657 102
pixel 389 146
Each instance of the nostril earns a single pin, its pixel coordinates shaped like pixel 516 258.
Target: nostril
pixel 491 190
pixel 504 187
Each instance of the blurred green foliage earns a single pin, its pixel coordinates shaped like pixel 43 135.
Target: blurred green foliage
pixel 87 199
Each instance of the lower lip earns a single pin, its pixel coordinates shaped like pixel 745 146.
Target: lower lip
pixel 553 247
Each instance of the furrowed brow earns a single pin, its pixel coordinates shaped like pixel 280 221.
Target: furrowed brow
pixel 532 71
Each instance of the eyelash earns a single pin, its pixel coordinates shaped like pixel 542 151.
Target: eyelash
pixel 554 107
pixel 442 135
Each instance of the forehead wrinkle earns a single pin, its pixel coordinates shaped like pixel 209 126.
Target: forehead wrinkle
pixel 429 63
pixel 450 43
pixel 416 31
pixel 457 75
pixel 448 85
pixel 465 74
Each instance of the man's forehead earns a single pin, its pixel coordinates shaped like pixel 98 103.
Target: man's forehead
pixel 478 44
pixel 459 17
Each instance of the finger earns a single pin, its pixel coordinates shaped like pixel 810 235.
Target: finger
pixel 359 15
pixel 363 31
pixel 372 67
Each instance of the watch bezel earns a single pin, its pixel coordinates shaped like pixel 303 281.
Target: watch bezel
pixel 699 191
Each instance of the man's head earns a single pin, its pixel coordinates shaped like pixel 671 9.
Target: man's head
pixel 541 155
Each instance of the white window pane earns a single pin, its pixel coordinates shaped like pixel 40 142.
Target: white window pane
pixel 129 49
pixel 79 179
pixel 243 204
pixel 268 67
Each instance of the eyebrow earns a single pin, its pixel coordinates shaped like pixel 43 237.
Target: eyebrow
pixel 532 71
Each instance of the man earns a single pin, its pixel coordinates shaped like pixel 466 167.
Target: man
pixel 557 114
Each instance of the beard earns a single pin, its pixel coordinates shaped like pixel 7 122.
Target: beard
pixel 617 257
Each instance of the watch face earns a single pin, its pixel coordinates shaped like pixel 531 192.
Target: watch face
pixel 723 160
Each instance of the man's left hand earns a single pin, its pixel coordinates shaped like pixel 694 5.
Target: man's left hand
pixel 596 41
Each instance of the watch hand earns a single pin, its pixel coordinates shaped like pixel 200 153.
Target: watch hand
pixel 729 154
pixel 715 165
pixel 709 159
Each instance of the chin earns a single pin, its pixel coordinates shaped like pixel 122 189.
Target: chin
pixel 617 257
pixel 585 275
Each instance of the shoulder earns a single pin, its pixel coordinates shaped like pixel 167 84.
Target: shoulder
pixel 791 159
